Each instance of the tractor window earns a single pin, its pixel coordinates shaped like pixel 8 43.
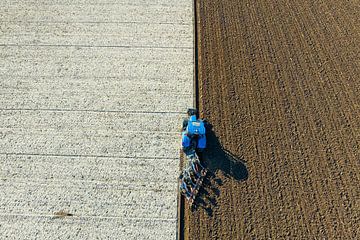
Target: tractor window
pixel 196 124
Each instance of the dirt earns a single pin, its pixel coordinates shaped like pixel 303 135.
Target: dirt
pixel 279 82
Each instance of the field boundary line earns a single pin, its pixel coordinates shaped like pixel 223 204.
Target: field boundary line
pixel 181 200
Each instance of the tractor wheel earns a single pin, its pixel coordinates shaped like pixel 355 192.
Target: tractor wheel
pixel 192 111
pixel 185 124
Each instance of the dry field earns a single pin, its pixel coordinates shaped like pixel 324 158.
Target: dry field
pixel 279 81
pixel 91 96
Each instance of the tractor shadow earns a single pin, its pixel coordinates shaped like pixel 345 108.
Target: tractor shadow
pixel 215 159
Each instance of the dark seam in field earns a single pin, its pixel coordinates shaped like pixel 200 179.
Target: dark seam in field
pixel 102 4
pixel 87 216
pixel 88 110
pixel 94 22
pixel 90 46
pixel 81 155
pixel 196 59
pixel 85 77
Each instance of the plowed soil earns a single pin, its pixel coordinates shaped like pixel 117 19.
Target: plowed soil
pixel 279 82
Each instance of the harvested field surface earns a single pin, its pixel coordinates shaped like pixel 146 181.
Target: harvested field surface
pixel 279 81
pixel 92 94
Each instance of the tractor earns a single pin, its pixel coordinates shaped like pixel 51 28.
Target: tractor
pixel 193 138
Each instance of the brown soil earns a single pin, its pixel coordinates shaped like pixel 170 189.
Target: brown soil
pixel 279 82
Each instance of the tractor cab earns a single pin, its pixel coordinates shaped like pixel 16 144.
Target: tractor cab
pixel 193 135
pixel 195 127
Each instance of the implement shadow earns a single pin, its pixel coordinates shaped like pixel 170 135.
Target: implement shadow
pixel 216 158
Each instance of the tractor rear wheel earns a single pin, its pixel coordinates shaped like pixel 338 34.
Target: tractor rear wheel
pixel 185 124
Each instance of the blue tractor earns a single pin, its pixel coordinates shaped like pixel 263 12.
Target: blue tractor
pixel 193 134
pixel 193 141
